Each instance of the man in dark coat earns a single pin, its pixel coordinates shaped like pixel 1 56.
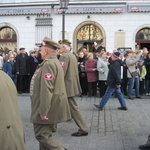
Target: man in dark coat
pixel 113 83
pixel 21 61
pixel 32 63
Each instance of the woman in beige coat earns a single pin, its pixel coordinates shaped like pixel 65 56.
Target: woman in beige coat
pixel 11 129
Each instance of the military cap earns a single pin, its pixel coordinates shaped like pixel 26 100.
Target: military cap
pixel 50 43
pixel 67 42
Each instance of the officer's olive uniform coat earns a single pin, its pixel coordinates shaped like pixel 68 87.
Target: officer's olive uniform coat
pixel 70 67
pixel 49 95
pixel 11 129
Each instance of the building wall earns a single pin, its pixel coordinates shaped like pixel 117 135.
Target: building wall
pixel 130 23
pixel 25 29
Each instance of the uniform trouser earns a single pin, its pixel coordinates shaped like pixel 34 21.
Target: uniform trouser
pixel 43 134
pixel 76 115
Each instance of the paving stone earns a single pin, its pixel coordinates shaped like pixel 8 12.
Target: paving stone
pixel 110 129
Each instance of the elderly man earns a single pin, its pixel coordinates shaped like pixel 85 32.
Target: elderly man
pixel 48 97
pixel 71 75
pixel 113 84
pixel 11 129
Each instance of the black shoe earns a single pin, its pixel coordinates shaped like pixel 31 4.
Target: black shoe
pixel 144 147
pixel 122 108
pixel 97 106
pixel 80 134
pixel 138 97
pixel 131 98
pixel 65 148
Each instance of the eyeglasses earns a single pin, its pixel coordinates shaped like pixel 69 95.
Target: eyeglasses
pixel 11 57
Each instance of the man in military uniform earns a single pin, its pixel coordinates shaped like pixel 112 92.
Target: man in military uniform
pixel 71 76
pixel 11 128
pixel 48 97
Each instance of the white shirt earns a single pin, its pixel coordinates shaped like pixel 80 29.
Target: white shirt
pixel 1 62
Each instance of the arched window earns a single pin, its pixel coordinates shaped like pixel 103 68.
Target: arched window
pixel 87 35
pixel 143 34
pixel 143 38
pixel 89 32
pixel 8 39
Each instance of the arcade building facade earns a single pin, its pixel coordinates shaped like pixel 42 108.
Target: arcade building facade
pixel 112 24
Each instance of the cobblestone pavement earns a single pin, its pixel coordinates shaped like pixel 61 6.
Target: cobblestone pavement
pixel 110 129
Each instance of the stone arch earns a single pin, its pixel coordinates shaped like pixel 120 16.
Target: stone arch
pixel 5 24
pixel 134 44
pixel 83 24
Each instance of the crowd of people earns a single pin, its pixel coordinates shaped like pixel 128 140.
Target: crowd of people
pixel 21 66
pixel 94 68
pixel 54 76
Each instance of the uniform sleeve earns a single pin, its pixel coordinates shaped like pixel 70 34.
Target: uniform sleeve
pixel 64 61
pixel 48 77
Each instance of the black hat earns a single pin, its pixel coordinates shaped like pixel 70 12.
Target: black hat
pixel 116 54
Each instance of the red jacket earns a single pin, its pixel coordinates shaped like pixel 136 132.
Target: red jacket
pixel 92 76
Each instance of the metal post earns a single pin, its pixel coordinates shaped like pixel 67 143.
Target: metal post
pixel 63 24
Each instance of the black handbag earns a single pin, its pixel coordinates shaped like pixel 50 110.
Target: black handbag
pixel 82 75
pixel 134 74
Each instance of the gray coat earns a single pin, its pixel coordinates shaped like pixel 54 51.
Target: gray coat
pixel 11 128
pixel 102 69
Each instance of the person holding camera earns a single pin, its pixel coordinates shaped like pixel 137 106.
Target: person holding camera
pixel 133 73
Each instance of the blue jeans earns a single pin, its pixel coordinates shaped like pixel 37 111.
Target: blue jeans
pixel 147 85
pixel 108 94
pixel 132 82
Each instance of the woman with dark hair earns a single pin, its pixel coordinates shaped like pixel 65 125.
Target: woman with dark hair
pixel 82 74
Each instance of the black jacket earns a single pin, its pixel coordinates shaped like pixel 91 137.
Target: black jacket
pixel 21 64
pixel 114 75
pixel 147 65
pixel 31 65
